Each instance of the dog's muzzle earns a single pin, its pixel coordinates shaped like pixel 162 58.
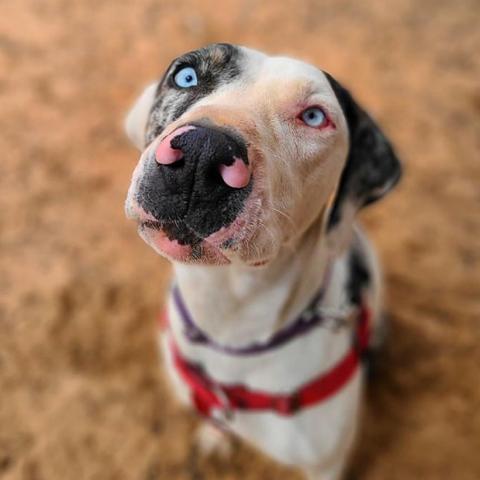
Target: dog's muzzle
pixel 195 181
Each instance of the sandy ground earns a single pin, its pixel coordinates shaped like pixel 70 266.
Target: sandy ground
pixel 81 393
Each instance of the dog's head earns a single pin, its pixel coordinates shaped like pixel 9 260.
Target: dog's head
pixel 243 153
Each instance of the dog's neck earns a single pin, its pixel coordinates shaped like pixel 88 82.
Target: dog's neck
pixel 228 302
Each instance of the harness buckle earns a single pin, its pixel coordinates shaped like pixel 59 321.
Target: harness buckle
pixel 287 405
pixel 224 412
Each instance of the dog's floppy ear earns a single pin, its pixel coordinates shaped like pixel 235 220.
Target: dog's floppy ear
pixel 372 167
pixel 137 118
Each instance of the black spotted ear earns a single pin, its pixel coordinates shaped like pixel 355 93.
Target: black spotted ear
pixel 372 168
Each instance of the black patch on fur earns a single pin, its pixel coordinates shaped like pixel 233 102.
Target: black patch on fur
pixel 359 276
pixel 359 279
pixel 215 65
pixel 189 198
pixel 372 167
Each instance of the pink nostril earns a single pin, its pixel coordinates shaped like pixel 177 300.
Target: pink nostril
pixel 236 175
pixel 165 154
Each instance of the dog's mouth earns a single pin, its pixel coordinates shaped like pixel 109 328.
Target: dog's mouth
pixel 179 242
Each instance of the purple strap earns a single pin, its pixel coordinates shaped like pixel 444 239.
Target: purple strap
pixel 308 320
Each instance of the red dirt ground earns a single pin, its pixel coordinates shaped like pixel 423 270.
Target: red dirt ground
pixel 81 393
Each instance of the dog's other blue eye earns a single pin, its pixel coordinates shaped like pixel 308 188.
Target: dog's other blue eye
pixel 314 117
pixel 186 78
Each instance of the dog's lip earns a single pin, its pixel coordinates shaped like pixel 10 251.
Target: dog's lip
pixel 155 224
pixel 226 243
pixel 259 263
pixel 158 239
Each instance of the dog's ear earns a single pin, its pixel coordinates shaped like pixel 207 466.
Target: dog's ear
pixel 372 167
pixel 137 118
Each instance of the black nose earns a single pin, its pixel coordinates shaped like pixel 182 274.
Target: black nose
pixel 191 190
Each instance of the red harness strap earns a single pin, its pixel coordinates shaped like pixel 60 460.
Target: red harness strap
pixel 209 395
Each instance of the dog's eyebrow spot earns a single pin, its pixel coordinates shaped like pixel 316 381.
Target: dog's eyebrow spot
pixel 210 60
pixel 215 65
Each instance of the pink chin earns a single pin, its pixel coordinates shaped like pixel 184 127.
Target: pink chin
pixel 172 249
pixel 163 245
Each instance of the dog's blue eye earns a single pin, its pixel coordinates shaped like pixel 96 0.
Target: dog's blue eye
pixel 186 78
pixel 314 117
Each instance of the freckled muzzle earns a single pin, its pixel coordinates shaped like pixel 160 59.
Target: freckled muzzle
pixel 195 182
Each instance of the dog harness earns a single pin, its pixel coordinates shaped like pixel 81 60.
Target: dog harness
pixel 218 401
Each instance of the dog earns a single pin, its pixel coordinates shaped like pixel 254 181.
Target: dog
pixel 252 170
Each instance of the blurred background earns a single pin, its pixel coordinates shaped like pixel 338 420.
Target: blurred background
pixel 81 392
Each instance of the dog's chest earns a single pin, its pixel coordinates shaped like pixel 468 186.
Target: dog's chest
pixel 294 439
pixel 283 367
